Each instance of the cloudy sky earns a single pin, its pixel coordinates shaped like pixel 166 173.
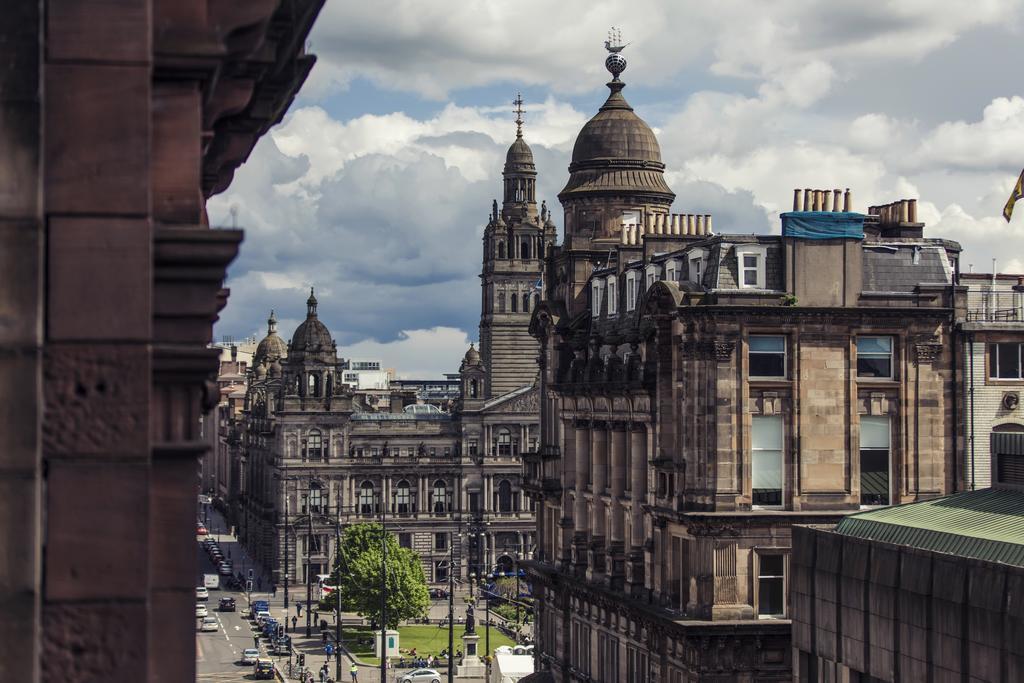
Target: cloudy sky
pixel 377 185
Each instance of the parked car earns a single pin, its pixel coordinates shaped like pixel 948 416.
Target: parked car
pixel 438 593
pixel 264 669
pixel 201 610
pixel 282 646
pixel 250 655
pixel 421 676
pixel 226 605
pixel 201 530
pixel 202 593
pixel 224 569
pixel 209 624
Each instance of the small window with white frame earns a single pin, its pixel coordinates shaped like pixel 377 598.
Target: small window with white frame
pixel 672 270
pixel 651 274
pixel 631 290
pixel 874 357
pixel 766 355
pixel 750 259
pixel 596 287
pixel 771 585
pixel 613 295
pixel 697 262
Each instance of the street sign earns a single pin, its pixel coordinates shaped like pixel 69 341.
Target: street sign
pixel 250 573
pixel 248 586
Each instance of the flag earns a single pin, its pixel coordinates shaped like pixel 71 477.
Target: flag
pixel 1018 192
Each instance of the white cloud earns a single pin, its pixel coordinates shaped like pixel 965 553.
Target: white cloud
pixel 415 354
pixel 994 141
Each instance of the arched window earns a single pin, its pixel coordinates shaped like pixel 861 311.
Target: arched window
pixel 504 442
pixel 313 385
pixel 501 302
pixel 526 303
pixel 504 496
pixel 366 498
pixel 515 303
pixel 440 502
pixel 316 498
pixel 524 248
pixel 314 445
pixel 501 249
pixel 472 388
pixel 403 499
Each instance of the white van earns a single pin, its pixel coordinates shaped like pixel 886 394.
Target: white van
pixel 211 581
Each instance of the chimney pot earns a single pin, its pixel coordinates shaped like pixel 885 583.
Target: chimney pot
pixel 796 199
pixel 846 201
pixel 835 199
pixel 707 224
pixel 913 210
pixel 904 211
pixel 699 224
pixel 807 199
pixel 689 224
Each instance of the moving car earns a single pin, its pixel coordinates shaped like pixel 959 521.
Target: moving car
pixel 421 676
pixel 437 593
pixel 226 605
pixel 201 610
pixel 209 624
pixel 201 530
pixel 264 669
pixel 250 655
pixel 282 646
pixel 202 593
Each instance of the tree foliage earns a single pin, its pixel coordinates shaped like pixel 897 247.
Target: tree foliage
pixel 357 574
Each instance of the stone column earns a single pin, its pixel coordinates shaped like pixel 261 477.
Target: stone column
pixel 599 516
pixel 580 529
pixel 616 547
pixel 638 476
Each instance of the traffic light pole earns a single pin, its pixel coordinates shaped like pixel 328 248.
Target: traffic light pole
pixel 337 596
pixel 451 614
pixel 383 593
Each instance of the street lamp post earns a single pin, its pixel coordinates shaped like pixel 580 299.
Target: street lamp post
pixel 487 610
pixel 337 594
pixel 309 565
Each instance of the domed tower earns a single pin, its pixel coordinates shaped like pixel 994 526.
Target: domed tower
pixel 515 241
pixel 473 376
pixel 616 176
pixel 271 348
pixel 312 358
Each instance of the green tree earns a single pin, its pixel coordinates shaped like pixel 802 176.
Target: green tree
pixel 357 569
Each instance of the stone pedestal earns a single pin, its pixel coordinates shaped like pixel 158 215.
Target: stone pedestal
pixel 471 666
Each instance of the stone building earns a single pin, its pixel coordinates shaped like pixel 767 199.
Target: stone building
pixel 930 591
pixel 447 481
pixel 992 333
pixel 117 122
pixel 702 393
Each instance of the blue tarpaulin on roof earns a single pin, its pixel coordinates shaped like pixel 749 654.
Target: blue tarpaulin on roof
pixel 823 225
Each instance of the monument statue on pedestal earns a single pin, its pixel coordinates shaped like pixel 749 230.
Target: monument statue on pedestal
pixel 470 620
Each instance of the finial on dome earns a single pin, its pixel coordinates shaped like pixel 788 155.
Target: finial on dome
pixel 272 323
pixel 311 304
pixel 615 62
pixel 518 102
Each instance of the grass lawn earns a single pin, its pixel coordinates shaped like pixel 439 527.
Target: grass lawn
pixel 428 639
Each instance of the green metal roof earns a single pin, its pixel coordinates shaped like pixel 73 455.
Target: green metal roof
pixel 987 524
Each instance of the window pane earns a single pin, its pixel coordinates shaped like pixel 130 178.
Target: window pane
pixel 767 343
pixel 874 477
pixel 1009 361
pixel 766 433
pixel 749 261
pixel 874 345
pixel 874 432
pixel 750 277
pixel 873 367
pixel 770 601
pixel 771 565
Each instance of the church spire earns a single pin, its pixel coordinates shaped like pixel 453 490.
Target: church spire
pixel 311 303
pixel 518 102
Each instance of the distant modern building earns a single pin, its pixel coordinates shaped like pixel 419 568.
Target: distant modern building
pixel 701 393
pixel 993 369
pixel 366 374
pixel 930 591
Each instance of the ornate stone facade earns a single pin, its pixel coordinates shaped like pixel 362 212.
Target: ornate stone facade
pixel 701 394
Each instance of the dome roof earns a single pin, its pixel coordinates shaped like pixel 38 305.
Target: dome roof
pixel 472 356
pixel 519 156
pixel 616 151
pixel 311 336
pixel 271 347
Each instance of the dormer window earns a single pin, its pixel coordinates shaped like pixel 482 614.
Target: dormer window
pixel 696 269
pixel 651 276
pixel 672 270
pixel 596 290
pixel 613 295
pixel 631 290
pixel 750 268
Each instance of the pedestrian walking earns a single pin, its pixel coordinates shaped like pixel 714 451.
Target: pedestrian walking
pixel 273 590
pixel 295 620
pixel 259 584
pixel 354 670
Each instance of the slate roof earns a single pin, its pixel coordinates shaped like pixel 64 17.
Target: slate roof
pixel 987 524
pixel 891 267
